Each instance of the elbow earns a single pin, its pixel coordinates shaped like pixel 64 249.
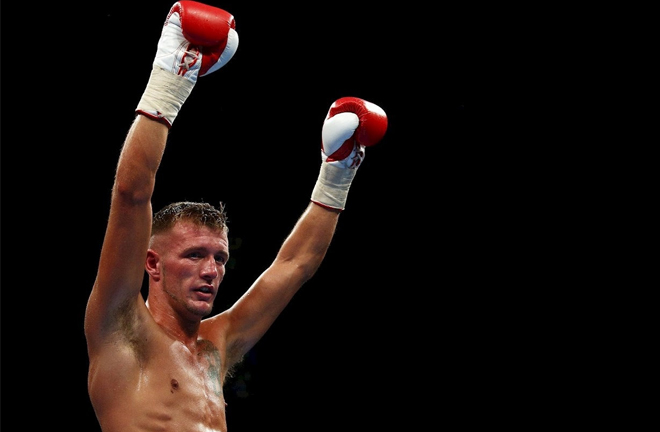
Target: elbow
pixel 297 272
pixel 305 271
pixel 134 183
pixel 133 192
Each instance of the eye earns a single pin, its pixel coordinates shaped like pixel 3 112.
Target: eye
pixel 221 259
pixel 194 255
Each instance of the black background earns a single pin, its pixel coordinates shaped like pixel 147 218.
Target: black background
pixel 407 321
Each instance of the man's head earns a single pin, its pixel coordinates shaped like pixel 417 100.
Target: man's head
pixel 186 258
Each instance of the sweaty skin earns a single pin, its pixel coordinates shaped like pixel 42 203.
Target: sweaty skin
pixel 160 364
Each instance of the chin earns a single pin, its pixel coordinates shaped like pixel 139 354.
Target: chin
pixel 201 311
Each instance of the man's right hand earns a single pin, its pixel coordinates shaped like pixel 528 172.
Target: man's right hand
pixel 197 39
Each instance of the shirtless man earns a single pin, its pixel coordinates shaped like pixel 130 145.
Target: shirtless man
pixel 160 363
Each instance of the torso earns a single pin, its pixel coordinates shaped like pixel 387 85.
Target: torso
pixel 161 385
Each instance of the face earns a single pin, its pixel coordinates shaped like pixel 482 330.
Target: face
pixel 191 267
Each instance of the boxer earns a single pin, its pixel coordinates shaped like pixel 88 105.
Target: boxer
pixel 158 362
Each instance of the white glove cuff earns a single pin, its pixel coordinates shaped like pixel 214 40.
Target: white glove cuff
pixel 164 95
pixel 332 185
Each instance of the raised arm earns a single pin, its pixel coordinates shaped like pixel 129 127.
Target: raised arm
pixel 196 40
pixel 352 124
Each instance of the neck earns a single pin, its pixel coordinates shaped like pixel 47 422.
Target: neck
pixel 182 328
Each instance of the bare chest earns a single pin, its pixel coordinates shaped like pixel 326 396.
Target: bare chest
pixel 186 387
pixel 172 389
pixel 195 374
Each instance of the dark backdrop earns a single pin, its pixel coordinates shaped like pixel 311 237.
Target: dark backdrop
pixel 396 328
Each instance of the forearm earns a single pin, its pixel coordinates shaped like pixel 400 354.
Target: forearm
pixel 310 238
pixel 351 125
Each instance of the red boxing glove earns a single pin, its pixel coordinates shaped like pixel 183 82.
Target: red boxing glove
pixel 351 122
pixel 196 39
pixel 209 29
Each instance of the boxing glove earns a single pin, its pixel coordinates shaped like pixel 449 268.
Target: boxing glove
pixel 196 40
pixel 351 125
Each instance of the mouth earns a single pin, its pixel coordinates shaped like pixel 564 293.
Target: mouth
pixel 204 293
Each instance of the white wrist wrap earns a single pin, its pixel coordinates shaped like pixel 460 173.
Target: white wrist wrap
pixel 164 95
pixel 331 189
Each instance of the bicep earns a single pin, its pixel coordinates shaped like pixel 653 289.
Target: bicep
pixel 121 268
pixel 258 308
pixel 297 260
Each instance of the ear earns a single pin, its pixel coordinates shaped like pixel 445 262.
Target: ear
pixel 151 264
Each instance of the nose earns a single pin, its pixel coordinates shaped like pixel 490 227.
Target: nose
pixel 210 269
